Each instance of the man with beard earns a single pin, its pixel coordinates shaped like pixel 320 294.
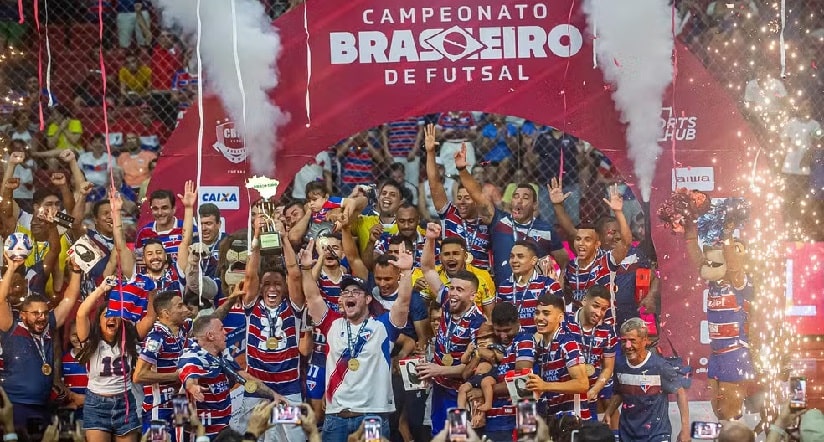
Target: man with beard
pixel 458 328
pixel 387 287
pixel 156 367
pixel 610 234
pixel 598 345
pixel 210 225
pixel 507 228
pixel 166 228
pixel 461 217
pixel 160 266
pixel 383 219
pixel 525 286
pixel 518 354
pixel 559 374
pixel 592 265
pixel 453 258
pixel 643 379
pixel 358 367
pixel 273 331
pixel 408 221
pixel 28 346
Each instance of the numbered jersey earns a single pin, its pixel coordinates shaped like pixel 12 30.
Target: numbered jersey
pixel 109 370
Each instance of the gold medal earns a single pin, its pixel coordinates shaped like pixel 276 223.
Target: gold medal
pixel 46 369
pixel 250 387
pixel 272 343
pixel 590 369
pixel 353 364
pixel 447 360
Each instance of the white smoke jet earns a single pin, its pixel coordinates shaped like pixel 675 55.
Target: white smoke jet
pixel 634 48
pixel 258 46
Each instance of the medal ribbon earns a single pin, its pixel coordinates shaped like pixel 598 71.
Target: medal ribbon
pixel 273 320
pixel 515 229
pixel 586 348
pixel 353 349
pixel 39 344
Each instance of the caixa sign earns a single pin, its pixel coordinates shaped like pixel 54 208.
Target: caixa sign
pixel 224 197
pixel 694 178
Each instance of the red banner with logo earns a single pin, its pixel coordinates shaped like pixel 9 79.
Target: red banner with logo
pixel 378 61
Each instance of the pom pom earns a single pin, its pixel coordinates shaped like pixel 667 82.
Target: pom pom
pixel 681 207
pixel 731 213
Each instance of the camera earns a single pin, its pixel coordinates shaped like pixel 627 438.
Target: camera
pixel 527 421
pixel 705 430
pixel 798 393
pixel 457 424
pixel 180 410
pixel 285 414
pixel 372 428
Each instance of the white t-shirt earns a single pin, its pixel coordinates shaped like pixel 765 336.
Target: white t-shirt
pixel 24 173
pixel 109 371
pixel 798 136
pixel 765 95
pixel 312 171
pixel 23 136
pixel 448 187
pixel 96 169
pixel 369 388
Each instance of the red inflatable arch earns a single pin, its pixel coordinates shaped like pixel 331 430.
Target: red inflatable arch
pixel 377 61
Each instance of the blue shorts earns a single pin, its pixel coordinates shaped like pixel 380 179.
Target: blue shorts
pixel 733 367
pixel 109 413
pixel 315 381
pixel 442 400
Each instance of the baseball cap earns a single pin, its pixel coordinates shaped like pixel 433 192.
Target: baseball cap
pixel 350 280
pixel 812 426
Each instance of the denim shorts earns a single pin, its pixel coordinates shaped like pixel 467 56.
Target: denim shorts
pixel 109 413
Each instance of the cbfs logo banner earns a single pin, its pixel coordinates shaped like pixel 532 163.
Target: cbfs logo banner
pixel 480 42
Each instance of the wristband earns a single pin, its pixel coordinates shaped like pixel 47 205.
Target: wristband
pixel 77 271
pixel 305 267
pixel 205 438
pixel 247 436
pixel 460 169
pixel 10 436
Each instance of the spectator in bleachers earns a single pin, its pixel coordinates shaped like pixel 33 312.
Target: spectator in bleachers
pixel 397 173
pixel 166 60
pixel 545 156
pixel 11 30
pixel 135 162
pixel 94 162
pixel 184 87
pixel 315 169
pixel 63 132
pixel 144 186
pixel 35 94
pixel 456 128
pixel 24 172
pixel 89 92
pixel 117 126
pixel 127 194
pixel 133 20
pixel 135 80
pixel 95 9
pixel 20 127
pixel 498 141
pixel 401 142
pixel 359 156
pixel 152 132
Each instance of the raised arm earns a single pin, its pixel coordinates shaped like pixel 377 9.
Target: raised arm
pixel 350 250
pixel 69 157
pixel 557 197
pixel 368 255
pixel 433 233
pixel 294 281
pixel 6 316
pixel 120 254
pixel 314 301
pixel 486 209
pixel 694 252
pixel 85 309
pixel 436 189
pixel 51 267
pixel 8 208
pixel 735 265
pixel 616 203
pixel 79 212
pixel 399 313
pixel 70 295
pixel 238 293
pixel 297 231
pixel 189 199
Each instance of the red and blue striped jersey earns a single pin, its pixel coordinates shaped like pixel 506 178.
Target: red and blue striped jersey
pixel 454 336
pixel 579 279
pixel 382 245
pixel 522 349
pixel 330 291
pixel 552 365
pixel 402 135
pixel 278 368
pixel 234 324
pixel 596 344
pixel 357 166
pixel 728 315
pixel 75 375
pixel 216 408
pixel 162 349
pixel 476 234
pixel 459 121
pixel 334 202
pixel 171 239
pixel 131 299
pixel 525 297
